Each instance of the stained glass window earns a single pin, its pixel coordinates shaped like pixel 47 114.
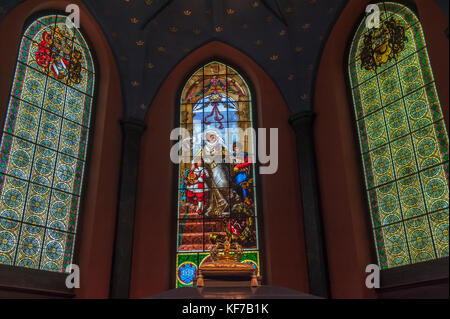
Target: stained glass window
pixel 403 138
pixel 43 147
pixel 216 196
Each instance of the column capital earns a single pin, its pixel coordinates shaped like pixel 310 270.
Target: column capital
pixel 301 118
pixel 130 124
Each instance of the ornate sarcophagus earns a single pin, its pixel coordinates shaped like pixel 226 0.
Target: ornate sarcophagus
pixel 225 270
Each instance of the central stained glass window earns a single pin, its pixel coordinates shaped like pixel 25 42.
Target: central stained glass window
pixel 403 138
pixel 216 195
pixel 43 147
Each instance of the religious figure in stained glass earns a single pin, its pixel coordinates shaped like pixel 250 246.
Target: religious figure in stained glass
pixel 197 189
pixel 43 147
pixel 403 138
pixel 216 182
pixel 213 154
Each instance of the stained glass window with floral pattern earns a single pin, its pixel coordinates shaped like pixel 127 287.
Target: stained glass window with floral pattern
pixel 216 198
pixel 403 138
pixel 43 147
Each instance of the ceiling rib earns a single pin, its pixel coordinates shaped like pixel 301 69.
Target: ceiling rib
pixel 278 14
pixel 164 6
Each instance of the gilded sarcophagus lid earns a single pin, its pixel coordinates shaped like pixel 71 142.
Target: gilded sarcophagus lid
pixel 225 264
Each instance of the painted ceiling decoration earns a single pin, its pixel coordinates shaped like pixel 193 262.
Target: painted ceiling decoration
pixel 284 37
pixel 150 37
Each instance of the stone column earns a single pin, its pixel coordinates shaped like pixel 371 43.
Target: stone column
pixel 302 123
pixel 123 243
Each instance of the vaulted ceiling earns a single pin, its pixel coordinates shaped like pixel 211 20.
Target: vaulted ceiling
pixel 283 37
pixel 149 37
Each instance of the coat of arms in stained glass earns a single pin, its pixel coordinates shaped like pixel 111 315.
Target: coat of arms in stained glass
pixel 43 147
pixel 403 138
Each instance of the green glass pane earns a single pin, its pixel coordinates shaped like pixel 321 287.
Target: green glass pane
pixel 370 96
pixel 40 175
pixel 404 146
pixel 440 227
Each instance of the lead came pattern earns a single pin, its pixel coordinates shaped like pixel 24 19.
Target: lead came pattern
pixel 404 145
pixel 43 148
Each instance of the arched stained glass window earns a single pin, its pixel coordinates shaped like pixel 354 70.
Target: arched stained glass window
pixel 216 196
pixel 403 138
pixel 43 147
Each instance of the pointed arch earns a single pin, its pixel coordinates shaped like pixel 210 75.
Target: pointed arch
pixel 216 195
pixel 403 138
pixel 280 204
pixel 44 146
pixel 94 244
